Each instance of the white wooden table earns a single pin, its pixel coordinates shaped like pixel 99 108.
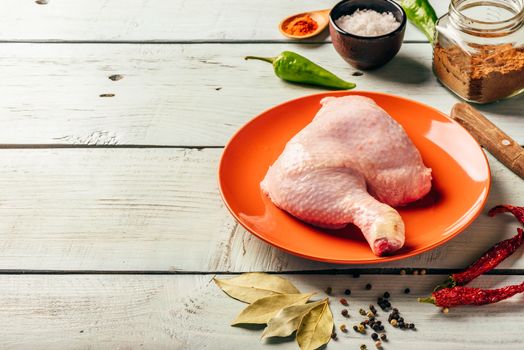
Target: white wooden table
pixel 112 226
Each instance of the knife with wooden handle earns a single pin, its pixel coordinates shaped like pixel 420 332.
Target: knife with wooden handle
pixel 503 147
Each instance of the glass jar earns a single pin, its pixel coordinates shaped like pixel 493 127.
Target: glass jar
pixel 479 49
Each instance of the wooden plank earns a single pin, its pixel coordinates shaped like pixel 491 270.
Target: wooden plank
pixel 190 312
pixel 159 209
pixel 189 95
pixel 150 209
pixel 158 20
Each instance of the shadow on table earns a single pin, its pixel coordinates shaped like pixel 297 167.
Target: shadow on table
pixel 280 340
pixel 509 107
pixel 404 70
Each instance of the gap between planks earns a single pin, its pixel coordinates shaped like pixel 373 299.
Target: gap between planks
pixel 185 42
pixel 58 146
pixel 341 272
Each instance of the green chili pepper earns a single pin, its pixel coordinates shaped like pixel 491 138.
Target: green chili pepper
pixel 292 67
pixel 422 15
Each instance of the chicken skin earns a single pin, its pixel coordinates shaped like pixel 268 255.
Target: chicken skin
pixel 352 164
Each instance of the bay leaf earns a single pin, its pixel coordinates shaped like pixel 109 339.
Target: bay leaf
pixel 252 286
pixel 264 309
pixel 287 320
pixel 316 327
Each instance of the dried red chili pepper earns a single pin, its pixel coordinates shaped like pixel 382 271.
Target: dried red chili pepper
pixel 460 295
pixel 494 256
pixel 487 262
pixel 517 211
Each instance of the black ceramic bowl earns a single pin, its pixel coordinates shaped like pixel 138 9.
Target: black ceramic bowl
pixel 366 52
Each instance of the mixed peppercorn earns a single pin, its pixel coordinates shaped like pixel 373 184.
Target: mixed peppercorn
pixel 451 294
pixel 370 315
pixel 396 320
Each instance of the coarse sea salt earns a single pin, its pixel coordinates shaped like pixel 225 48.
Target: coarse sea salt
pixel 368 23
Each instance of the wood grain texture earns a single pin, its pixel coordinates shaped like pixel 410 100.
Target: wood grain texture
pixel 182 95
pixel 190 312
pixel 159 20
pixel 159 210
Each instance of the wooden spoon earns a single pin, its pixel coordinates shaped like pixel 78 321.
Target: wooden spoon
pixel 503 147
pixel 321 17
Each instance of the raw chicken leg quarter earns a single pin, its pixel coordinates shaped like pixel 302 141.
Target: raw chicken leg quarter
pixel 351 164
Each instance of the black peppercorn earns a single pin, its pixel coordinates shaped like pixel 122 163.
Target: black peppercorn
pixel 374 336
pixel 407 290
pixel 386 295
pixel 411 326
pixel 368 286
pixel 347 292
pixel 355 328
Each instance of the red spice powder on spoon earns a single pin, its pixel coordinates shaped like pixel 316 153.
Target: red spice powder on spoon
pixel 301 25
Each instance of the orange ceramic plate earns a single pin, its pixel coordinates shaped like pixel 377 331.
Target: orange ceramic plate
pixel 460 186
